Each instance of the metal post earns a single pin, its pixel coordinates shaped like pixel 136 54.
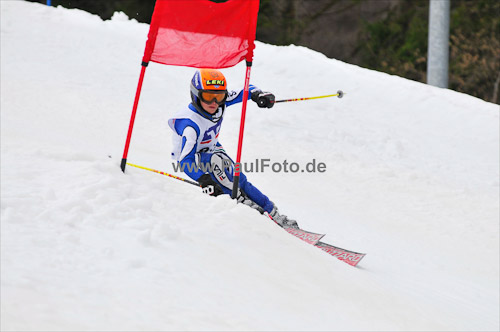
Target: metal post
pixel 438 49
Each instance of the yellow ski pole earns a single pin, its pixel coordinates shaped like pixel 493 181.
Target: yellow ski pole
pixel 339 94
pixel 166 174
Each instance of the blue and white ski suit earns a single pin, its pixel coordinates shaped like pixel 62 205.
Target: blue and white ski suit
pixel 195 141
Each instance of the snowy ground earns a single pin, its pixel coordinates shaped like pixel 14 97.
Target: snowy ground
pixel 412 179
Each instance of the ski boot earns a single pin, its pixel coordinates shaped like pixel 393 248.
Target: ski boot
pixel 243 199
pixel 281 219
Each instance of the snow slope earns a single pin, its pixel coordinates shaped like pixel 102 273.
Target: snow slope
pixel 412 178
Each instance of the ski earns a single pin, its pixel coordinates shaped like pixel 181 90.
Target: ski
pixel 347 256
pixel 309 237
pixel 350 257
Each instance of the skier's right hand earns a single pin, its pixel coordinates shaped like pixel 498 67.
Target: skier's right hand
pixel 263 99
pixel 210 187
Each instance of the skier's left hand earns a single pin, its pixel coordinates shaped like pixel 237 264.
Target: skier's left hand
pixel 209 186
pixel 263 99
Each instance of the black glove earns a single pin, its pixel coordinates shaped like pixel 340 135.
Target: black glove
pixel 263 99
pixel 209 186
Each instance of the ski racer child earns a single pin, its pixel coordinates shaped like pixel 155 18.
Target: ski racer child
pixel 196 147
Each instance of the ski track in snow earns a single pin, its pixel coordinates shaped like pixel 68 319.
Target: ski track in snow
pixel 412 179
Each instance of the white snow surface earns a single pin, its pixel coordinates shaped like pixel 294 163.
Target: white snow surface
pixel 412 179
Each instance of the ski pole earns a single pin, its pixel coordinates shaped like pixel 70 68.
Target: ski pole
pixel 163 173
pixel 339 94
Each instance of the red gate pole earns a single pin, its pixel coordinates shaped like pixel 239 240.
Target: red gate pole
pixel 236 178
pixel 132 117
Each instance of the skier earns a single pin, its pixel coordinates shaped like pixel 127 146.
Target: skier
pixel 196 147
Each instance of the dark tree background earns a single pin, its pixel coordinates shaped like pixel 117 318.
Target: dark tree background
pixel 385 35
